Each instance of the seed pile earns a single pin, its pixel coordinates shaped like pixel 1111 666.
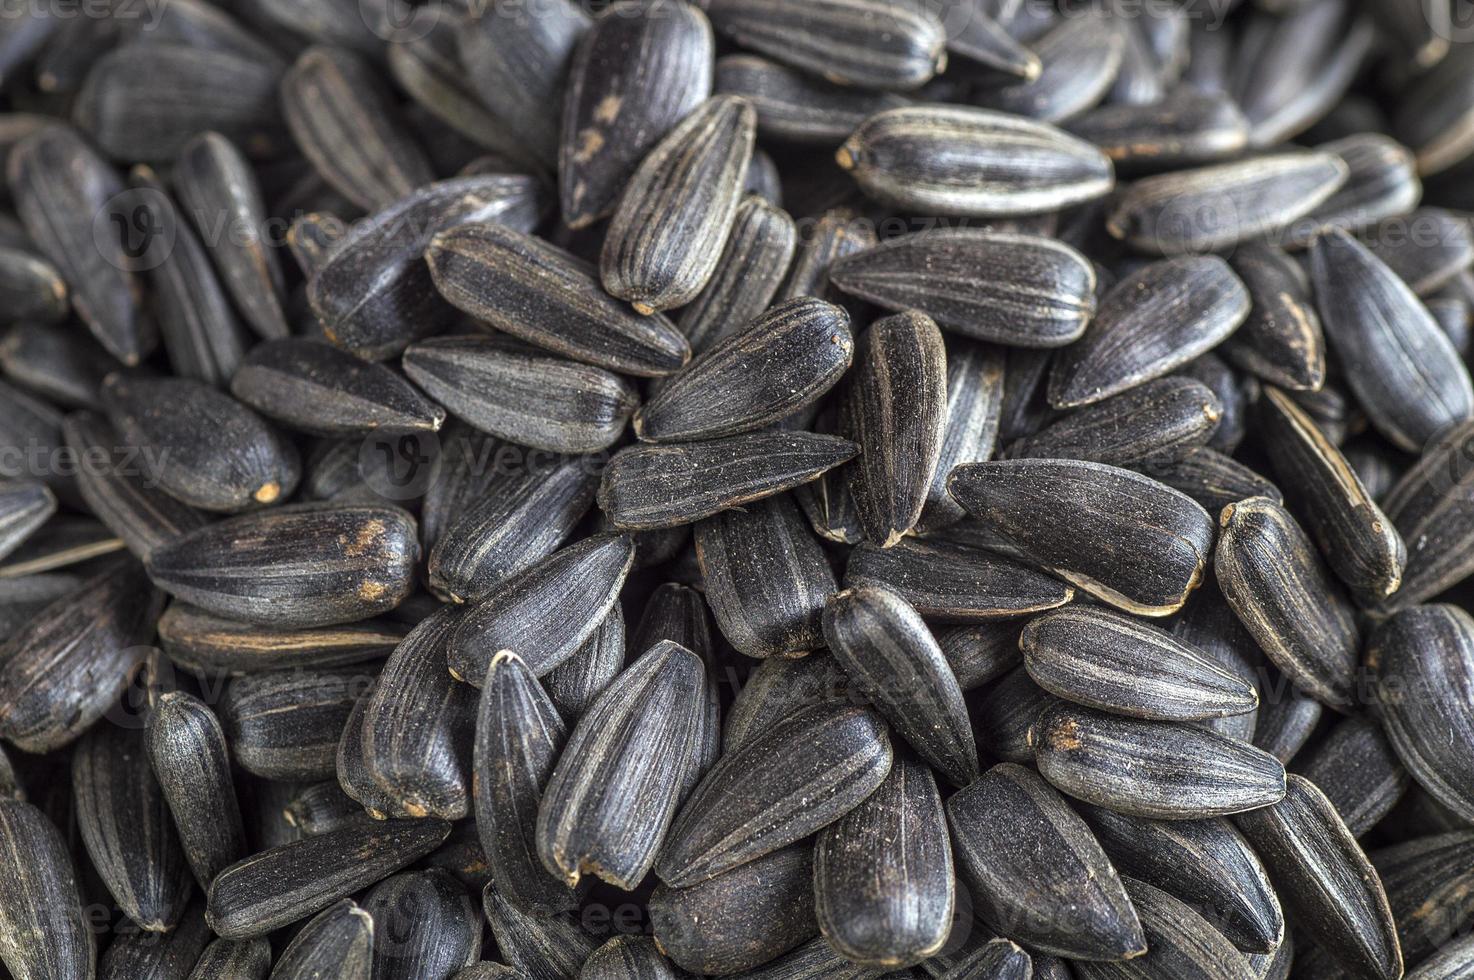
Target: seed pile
pixel 781 489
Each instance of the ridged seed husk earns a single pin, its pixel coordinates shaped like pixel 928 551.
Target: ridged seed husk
pixel 1287 721
pixel 1403 369
pixel 1181 944
pixel 65 367
pixel 975 375
pixel 32 287
pixel 1215 207
pixel 795 107
pixel 678 613
pixel 1427 249
pixel 425 925
pixel 42 929
pixel 943 159
pixel 1037 872
pixel 1185 128
pixel 626 958
pixel 779 687
pixel 798 776
pixel 124 821
pixel 319 807
pixel 1383 183
pixel 870 44
pixel 209 645
pixel 883 878
pixel 576 682
pixel 1281 340
pixel 1150 324
pixel 289 882
pixel 1325 881
pixel 1357 768
pixel 656 486
pixel 815 960
pixel 1454 961
pixel 1151 425
pixel 673 218
pixel 337 944
pixel 1107 660
pixel 285 725
pixel 1431 507
pixel 882 644
pixel 224 959
pixel 546 612
pixel 1130 515
pixel 837 233
pixel 1018 290
pixel 549 947
pixel 24 507
pixel 741 919
pixel 1427 881
pixel 754 261
pixel 1283 594
pixel 307 565
pixel 1080 58
pixel 62 542
pixel 1433 114
pixel 1212 479
pixel 538 293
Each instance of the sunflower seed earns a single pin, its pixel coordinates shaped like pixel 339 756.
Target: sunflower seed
pixel 577 682
pixel 167 956
pixel 1357 768
pixel 1286 721
pixel 1428 248
pixel 1383 183
pixel 1147 427
pixel 1280 341
pixel 24 507
pixel 628 956
pixel 1453 962
pixel 549 947
pixel 42 929
pixel 207 644
pixel 1080 59
pixel 795 107
pixel 320 807
pixel 1432 114
pixel 1212 479
pixel 31 287
pixel 970 428
pixel 286 725
pixel 836 234
pixel 425 925
pixel 1185 128
pixel 1181 944
pixel 1427 883
pixel 1430 506
pixel 779 687
pixel 60 542
pixel 678 613
pixel 748 275
pixel 63 367
pixel 337 944
pixel 227 960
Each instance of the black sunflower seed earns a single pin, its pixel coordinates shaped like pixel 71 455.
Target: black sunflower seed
pixel 425 925
pixel 64 367
pixel 1428 248
pixel 1286 721
pixel 542 947
pixel 224 959
pixel 1147 427
pixel 1181 943
pixel 1212 479
pixel 837 233
pixel 1357 768
pixel 977 33
pixel 42 929
pixel 627 956
pixel 1080 58
pixel 286 724
pixel 1383 183
pixel 320 807
pixel 970 431
pixel 1431 507
pixel 797 107
pixel 779 687
pixel 24 507
pixel 32 287
pixel 1432 116
pixel 1280 341
pixel 337 944
pixel 576 682
pixel 1427 883
pixel 1184 128
pixel 208 644
pixel 168 955
pixel 748 275
pixel 678 613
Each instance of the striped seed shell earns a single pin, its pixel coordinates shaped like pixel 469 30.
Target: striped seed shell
pixel 943 159
pixel 1403 369
pixel 1431 507
pixel 883 879
pixel 1282 592
pixel 758 375
pixel 1215 207
pixel 336 944
pixel 1136 515
pixel 1150 324
pixel 1357 767
pixel 1281 340
pixel 977 33
pixel 981 652
pixel 798 776
pixel 882 644
pixel 1037 872
pixel 319 807
pixel 25 506
pixel 426 927
pixel 1080 59
pixel 285 725
pixel 1427 880
pixel 1208 625
pixel 1325 881
pixel 209 645
pixel 289 882
pixel 1181 944
pixel 795 107
pixel 167 956
pixel 539 947
pixel 817 960
pixel 625 957
pixel 870 44
pixel 1212 479
pixel 1454 961
pixel 1117 663
pixel 65 367
pixel 351 764
pixel 1153 424
pixel 545 612
pixel 754 261
pixel 225 959
pixel 1428 248
pixel 1018 290
pixel 63 541
pixel 678 613
pixel 31 287
pixel 952 581
pixel 667 234
pixel 1383 183
pixel 780 686
pixel 836 233
pixel 577 682
pixel 1155 769
pixel 519 737
pixel 306 565
pixel 1184 128
pixel 542 295
pixel 1287 719
pixel 124 821
pixel 42 929
pixel 191 761
pixel 646 487
pixel 975 375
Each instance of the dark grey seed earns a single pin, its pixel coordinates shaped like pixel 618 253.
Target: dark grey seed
pixel 42 929
pixel 576 682
pixel 1210 626
pixel 352 767
pixel 1326 883
pixel 975 375
pixel 1357 768
pixel 60 542
pixel 1431 507
pixel 976 162
pixel 1018 290
pixel 1024 408
pixel 517 63
pixel 31 287
pixel 60 185
pixel 1149 324
pixel 646 487
pixel 1453 314
pixel 320 807
pixel 1376 465
pixel 866 43
pixel 795 107
pixel 1183 129
pixel 981 958
pixel 199 23
pixel 667 234
pixel 157 956
pixel 64 669
pixel 779 687
pixel 1401 366
pixel 124 821
pixel 1454 961
pixel 766 578
pixel 1205 863
pixel 1212 479
pixel 979 653
pixel 747 276
pixel 898 836
pixel 29 426
pixel 1211 208
pixel 1154 769
pixel 144 103
pixel 1232 393
pixel 426 927
pixel 22 597
pixel 301 566
pixel 470 462
pixel 628 957
pixel 62 366
pixel 1280 341
pixel 545 296
pixel 337 944
pixel 550 947
pixel 519 737
pixel 286 724
pixel 227 960
pixel 640 70
pixel 739 920
pixel 24 507
pixel 1383 183
pixel 754 376
pixel 1423 663
pixel 765 796
pixel 208 644
pixel 1181 944
pixel 1276 965
pixel 311 237
pixel 343 121
pixel 1036 871
pixel 317 388
pixel 1282 592
pixel 836 234
pixel 186 746
pixel 1080 58
pixel 1094 502
pixel 1356 538
pixel 826 501
pixel 678 613
pixel 1433 115
pixel 287 883
pixel 1428 248
pixel 815 960
pixel 545 612
pixel 976 33
pixel 1427 880
pixel 1139 79
pixel 1333 410
pixel 881 643
pixel 1107 660
pixel 462 856
pixel 1287 719
pixel 417 726
pixel 1150 426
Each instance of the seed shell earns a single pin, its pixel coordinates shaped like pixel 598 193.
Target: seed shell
pixel 1357 768
pixel 975 375
pixel 425 925
pixel 167 955
pixel 754 260
pixel 1151 425
pixel 1383 183
pixel 1428 248
pixel 550 947
pixel 1281 340
pixel 782 686
pixel 336 944
pixel 837 233
pixel 31 287
pixel 1184 128
pixel 42 929
pixel 227 960
pixel 628 956
pixel 795 107
pixel 1181 944
pixel 285 725
pixel 1427 883
pixel 577 682
pixel 1080 58
pixel 208 644
pixel 1430 507
pixel 1287 721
